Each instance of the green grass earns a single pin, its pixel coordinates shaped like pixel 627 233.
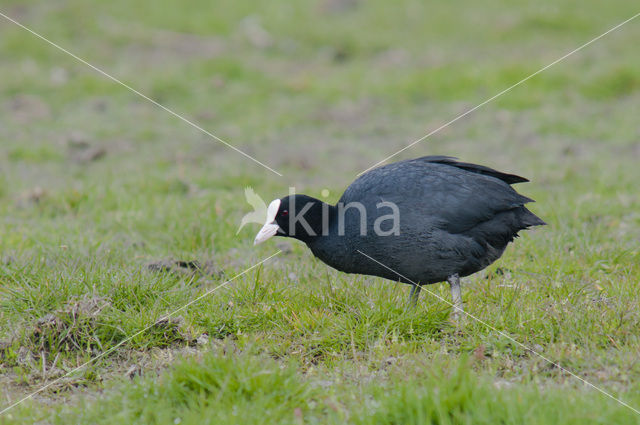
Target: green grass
pixel 96 184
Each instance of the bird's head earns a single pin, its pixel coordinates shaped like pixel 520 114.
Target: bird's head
pixel 295 216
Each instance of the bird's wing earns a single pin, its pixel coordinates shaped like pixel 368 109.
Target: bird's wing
pixel 449 197
pixel 474 168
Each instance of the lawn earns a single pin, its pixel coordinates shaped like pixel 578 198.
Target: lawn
pixel 115 213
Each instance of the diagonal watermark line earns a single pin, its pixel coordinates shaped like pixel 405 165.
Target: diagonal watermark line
pixel 459 310
pixel 129 338
pixel 464 114
pixel 142 95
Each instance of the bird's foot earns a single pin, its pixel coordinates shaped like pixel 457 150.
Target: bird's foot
pixel 457 316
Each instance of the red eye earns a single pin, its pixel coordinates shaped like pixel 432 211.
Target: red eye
pixel 284 213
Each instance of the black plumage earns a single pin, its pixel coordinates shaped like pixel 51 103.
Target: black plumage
pixel 454 219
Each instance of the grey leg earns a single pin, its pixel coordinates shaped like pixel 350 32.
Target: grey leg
pixel 413 296
pixel 454 282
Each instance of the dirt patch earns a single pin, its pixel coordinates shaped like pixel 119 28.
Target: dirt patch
pixel 169 332
pixel 89 154
pixel 84 327
pixel 158 47
pixel 81 150
pixel 27 108
pixel 70 328
pixel 51 348
pixel 188 267
pixel 76 327
pixel 81 385
pixel 31 197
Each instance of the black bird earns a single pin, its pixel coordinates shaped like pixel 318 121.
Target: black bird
pixel 418 221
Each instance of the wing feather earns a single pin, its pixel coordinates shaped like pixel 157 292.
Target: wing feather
pixel 439 192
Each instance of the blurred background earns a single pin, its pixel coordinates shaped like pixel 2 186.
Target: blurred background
pixel 318 90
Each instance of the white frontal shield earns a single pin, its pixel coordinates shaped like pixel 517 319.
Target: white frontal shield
pixel 270 227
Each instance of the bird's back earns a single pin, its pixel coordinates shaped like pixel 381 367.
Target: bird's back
pixel 453 218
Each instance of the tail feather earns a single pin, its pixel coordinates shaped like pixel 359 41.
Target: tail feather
pixel 504 227
pixel 528 219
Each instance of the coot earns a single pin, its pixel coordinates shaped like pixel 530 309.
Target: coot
pixel 419 221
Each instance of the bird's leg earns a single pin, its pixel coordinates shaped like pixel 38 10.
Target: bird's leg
pixel 413 296
pixel 454 282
